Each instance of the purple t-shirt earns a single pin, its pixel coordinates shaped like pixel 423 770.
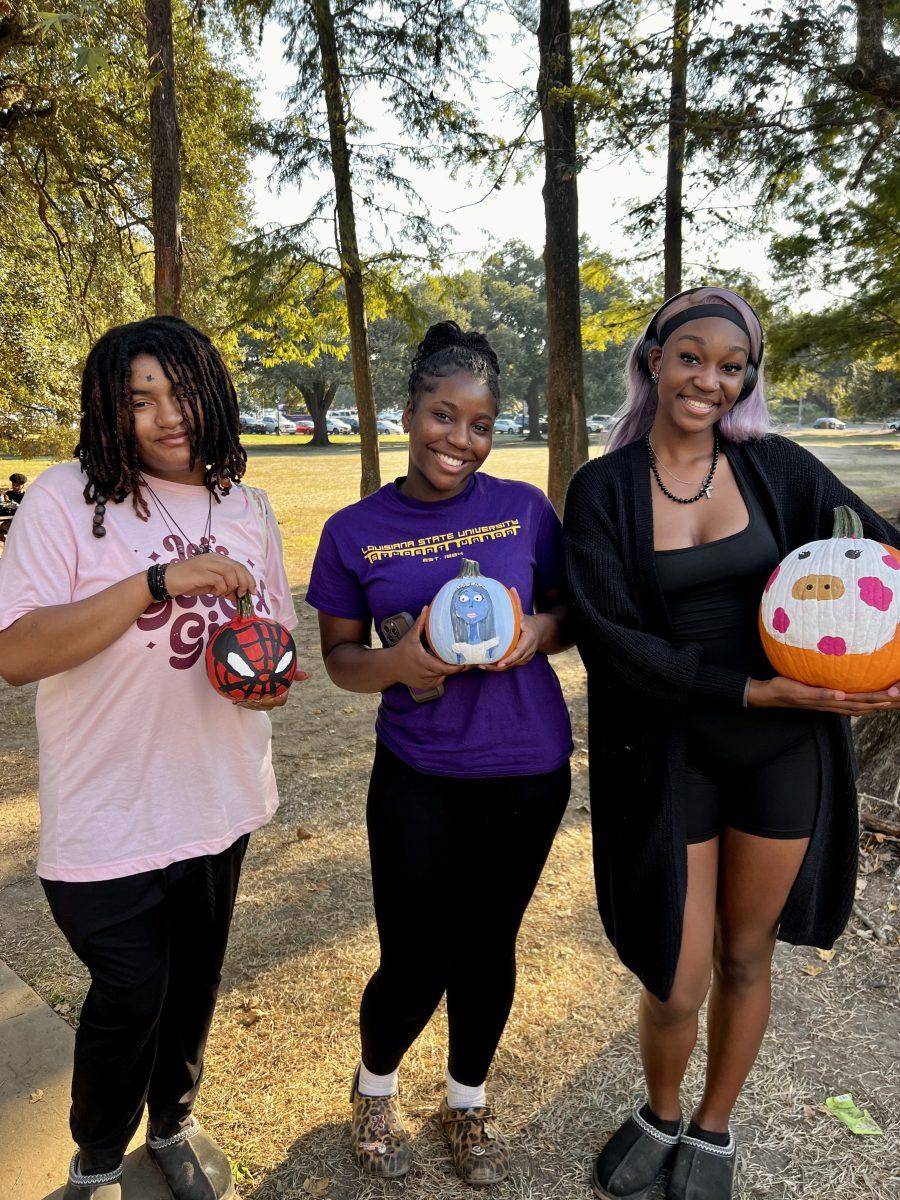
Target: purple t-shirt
pixel 388 554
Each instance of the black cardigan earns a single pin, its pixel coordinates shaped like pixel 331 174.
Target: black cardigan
pixel 640 682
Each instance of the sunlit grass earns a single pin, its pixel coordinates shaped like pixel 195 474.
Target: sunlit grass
pixel 306 484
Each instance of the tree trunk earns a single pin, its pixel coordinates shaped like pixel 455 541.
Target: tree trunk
pixel 567 430
pixel 876 738
pixel 348 249
pixel 165 169
pixel 674 219
pixel 319 397
pixel 533 403
pixel 875 71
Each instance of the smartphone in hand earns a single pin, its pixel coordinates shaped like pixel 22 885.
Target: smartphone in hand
pixel 391 630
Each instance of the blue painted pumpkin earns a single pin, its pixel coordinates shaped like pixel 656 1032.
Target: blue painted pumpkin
pixel 473 619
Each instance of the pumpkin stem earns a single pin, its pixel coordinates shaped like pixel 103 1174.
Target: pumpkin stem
pixel 245 607
pixel 847 523
pixel 468 567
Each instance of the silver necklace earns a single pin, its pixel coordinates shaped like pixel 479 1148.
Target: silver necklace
pixel 668 470
pixel 191 548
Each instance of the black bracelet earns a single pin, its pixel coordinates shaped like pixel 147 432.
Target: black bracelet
pixel 156 582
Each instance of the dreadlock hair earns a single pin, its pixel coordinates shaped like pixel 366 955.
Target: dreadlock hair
pixel 446 349
pixel 107 446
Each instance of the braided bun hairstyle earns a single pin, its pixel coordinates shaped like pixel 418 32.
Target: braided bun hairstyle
pixel 107 446
pixel 444 351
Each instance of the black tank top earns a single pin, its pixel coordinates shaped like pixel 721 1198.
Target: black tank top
pixel 713 591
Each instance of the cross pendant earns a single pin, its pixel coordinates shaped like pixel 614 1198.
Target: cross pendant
pixel 707 491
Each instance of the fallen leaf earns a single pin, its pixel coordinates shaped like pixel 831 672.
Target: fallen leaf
pixel 892 908
pixel 36 1096
pixel 62 1008
pixel 826 955
pixel 303 835
pixel 811 970
pixel 250 1011
pixel 316 1187
pixel 879 838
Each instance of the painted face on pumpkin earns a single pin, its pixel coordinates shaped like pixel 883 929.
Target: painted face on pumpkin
pixel 830 614
pixel 471 605
pixel 252 661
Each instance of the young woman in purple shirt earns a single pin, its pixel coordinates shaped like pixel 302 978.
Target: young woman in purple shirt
pixel 468 788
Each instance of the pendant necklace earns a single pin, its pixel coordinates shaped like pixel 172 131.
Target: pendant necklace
pixel 705 486
pixel 191 548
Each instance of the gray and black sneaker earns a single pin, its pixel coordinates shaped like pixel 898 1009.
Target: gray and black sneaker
pixel 633 1159
pixel 195 1168
pixel 106 1186
pixel 702 1170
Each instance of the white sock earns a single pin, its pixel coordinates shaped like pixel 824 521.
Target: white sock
pixel 461 1096
pixel 376 1085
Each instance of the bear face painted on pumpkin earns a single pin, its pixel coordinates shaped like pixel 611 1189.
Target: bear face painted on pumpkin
pixel 830 613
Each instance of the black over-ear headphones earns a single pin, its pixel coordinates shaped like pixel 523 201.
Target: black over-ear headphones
pixel 650 341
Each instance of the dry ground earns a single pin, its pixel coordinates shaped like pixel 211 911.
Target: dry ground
pixel 283 1046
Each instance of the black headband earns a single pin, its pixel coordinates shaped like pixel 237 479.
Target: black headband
pixel 695 312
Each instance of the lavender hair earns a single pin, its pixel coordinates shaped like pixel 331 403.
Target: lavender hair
pixel 747 420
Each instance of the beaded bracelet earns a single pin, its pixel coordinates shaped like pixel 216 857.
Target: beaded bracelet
pixel 156 582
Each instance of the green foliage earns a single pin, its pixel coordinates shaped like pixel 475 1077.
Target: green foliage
pixel 75 245
pixel 872 393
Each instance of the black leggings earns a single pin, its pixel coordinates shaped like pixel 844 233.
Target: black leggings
pixel 454 864
pixel 154 945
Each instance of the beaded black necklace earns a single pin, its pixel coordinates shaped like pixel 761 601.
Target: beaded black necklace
pixel 705 486
pixel 203 547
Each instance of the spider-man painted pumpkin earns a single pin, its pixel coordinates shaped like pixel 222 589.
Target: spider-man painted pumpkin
pixel 250 658
pixel 830 615
pixel 473 619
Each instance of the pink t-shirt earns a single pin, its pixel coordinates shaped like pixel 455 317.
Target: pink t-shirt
pixel 141 762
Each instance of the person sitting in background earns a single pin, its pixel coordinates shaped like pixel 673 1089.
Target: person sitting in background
pixel 12 498
pixel 16 489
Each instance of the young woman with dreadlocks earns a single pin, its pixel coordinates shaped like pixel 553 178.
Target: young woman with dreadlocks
pixel 722 798
pixel 468 786
pixel 117 569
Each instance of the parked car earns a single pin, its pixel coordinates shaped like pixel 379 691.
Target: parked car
pixel 521 427
pixel 277 424
pixel 251 421
pixel 304 425
pixel 337 425
pixel 829 423
pixel 505 425
pixel 600 422
pixel 384 426
pixel 894 425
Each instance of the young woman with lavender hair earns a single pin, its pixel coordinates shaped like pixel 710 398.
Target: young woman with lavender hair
pixel 720 822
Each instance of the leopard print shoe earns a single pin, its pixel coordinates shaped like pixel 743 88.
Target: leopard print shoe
pixel 380 1139
pixel 477 1147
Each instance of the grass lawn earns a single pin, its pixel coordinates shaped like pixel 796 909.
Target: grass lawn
pixel 307 484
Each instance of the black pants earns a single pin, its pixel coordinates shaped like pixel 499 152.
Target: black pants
pixel 154 944
pixel 454 865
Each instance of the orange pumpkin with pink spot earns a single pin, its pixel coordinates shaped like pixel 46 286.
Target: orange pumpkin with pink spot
pixel 830 613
